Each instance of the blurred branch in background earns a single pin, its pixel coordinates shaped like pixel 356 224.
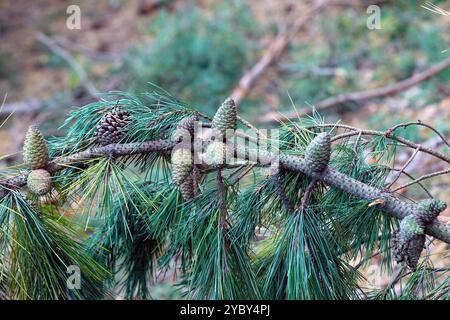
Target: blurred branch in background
pixel 55 48
pixel 274 52
pixel 362 96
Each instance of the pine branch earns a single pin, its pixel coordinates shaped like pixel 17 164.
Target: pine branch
pixel 423 147
pixel 331 177
pixel 114 150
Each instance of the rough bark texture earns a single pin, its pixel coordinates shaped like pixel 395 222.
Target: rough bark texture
pixel 329 176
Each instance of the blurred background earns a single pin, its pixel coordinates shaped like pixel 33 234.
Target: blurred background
pixel 275 56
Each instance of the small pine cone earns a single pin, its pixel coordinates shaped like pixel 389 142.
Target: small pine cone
pixel 410 226
pixel 187 188
pixel 408 242
pixel 182 163
pixel 112 126
pixel 35 151
pixel 429 209
pixel 226 116
pixel 39 182
pixel 409 252
pixel 217 154
pixel 317 154
pixel 184 129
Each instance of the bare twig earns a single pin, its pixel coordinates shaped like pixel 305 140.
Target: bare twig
pixel 424 177
pixel 403 168
pixel 20 107
pixel 427 147
pixel 410 177
pixel 273 53
pixel 306 195
pixel 355 149
pixel 404 141
pixel 361 96
pixel 390 131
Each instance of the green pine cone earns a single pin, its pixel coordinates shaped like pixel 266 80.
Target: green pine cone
pixel 184 129
pixel 410 227
pixel 429 209
pixel 35 151
pixel 408 242
pixel 408 251
pixel 226 116
pixel 39 182
pixel 182 163
pixel 217 154
pixel 317 154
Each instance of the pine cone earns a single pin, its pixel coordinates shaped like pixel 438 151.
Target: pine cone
pixel 317 154
pixel 429 209
pixel 187 188
pixel 226 116
pixel 112 126
pixel 39 182
pixel 216 154
pixel 408 242
pixel 182 163
pixel 35 151
pixel 185 128
pixel 410 226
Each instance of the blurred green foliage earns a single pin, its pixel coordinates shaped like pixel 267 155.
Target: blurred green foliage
pixel 195 56
pixel 8 68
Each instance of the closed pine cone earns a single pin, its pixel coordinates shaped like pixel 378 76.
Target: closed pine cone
pixel 35 151
pixel 317 154
pixel 39 182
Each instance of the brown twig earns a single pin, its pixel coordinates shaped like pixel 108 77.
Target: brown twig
pixel 404 141
pixel 424 177
pixel 361 96
pixel 410 177
pixel 403 168
pixel 306 195
pixel 423 147
pixel 273 53
pixel 355 149
pixel 391 130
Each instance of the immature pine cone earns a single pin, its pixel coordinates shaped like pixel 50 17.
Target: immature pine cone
pixel 187 188
pixel 39 182
pixel 317 154
pixel 226 116
pixel 184 129
pixel 217 154
pixel 182 163
pixel 429 209
pixel 408 242
pixel 35 151
pixel 112 126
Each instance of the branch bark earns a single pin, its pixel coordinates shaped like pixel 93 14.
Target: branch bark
pixel 331 177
